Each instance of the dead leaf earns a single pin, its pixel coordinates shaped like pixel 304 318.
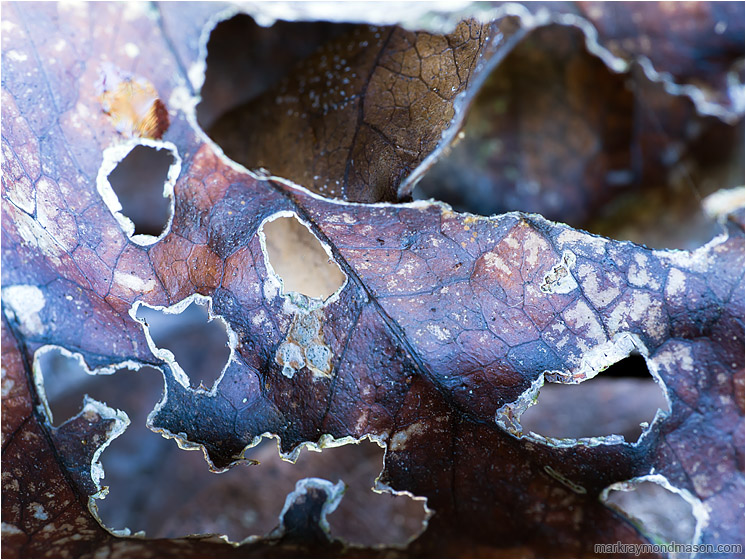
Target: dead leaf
pixel 444 328
pixel 363 112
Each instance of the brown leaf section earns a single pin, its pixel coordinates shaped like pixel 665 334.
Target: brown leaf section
pixel 47 482
pixel 356 118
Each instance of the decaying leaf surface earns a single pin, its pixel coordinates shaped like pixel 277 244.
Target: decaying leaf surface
pixel 445 323
pixel 365 110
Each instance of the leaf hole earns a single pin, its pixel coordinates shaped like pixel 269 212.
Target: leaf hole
pixel 158 488
pixel 623 399
pixel 64 383
pixel 297 257
pixel 199 344
pixel 138 181
pixel 554 131
pixel 248 499
pixel 657 510
pixel 245 59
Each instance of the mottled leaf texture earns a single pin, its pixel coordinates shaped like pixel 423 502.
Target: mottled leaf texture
pixel 444 329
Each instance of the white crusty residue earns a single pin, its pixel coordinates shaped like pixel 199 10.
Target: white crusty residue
pixel 559 280
pixel 26 302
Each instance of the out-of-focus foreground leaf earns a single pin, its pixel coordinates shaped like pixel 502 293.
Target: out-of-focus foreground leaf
pixel 445 328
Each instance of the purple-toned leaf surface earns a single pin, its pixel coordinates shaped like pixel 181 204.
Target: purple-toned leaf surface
pixel 445 319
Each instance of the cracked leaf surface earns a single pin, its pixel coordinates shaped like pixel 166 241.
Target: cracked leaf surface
pixel 443 320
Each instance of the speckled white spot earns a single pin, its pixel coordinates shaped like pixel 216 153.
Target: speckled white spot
pixel 131 50
pixel 589 279
pixel 494 261
pixel 676 284
pixel 290 357
pixel 639 274
pixel 439 332
pixel 38 511
pixel 17 56
pixel 26 302
pixel 581 319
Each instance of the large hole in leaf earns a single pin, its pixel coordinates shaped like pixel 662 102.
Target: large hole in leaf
pixel 199 345
pixel 299 259
pixel 661 514
pixel 138 181
pixel 554 131
pixel 167 492
pixel 622 400
pixel 64 381
pixel 245 59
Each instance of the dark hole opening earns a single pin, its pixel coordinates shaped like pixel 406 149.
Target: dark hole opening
pixel 198 345
pixel 138 182
pixel 616 401
pixel 555 132
pixel 167 492
pixel 245 59
pixel 633 365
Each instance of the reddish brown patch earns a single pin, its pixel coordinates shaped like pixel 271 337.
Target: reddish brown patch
pixel 133 105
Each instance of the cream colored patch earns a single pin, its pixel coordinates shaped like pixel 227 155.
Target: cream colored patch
pixel 58 223
pixel 639 275
pixel 598 358
pixel 676 284
pixel 700 260
pixel 534 244
pixel 362 421
pixel 643 311
pixel 571 237
pixel 581 319
pixel 260 319
pixel 591 287
pixel 26 302
pixel 494 261
pixel 400 439
pixel 616 320
pixel 640 303
pixel 20 194
pixel 134 283
pixel 675 356
pixel 36 236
